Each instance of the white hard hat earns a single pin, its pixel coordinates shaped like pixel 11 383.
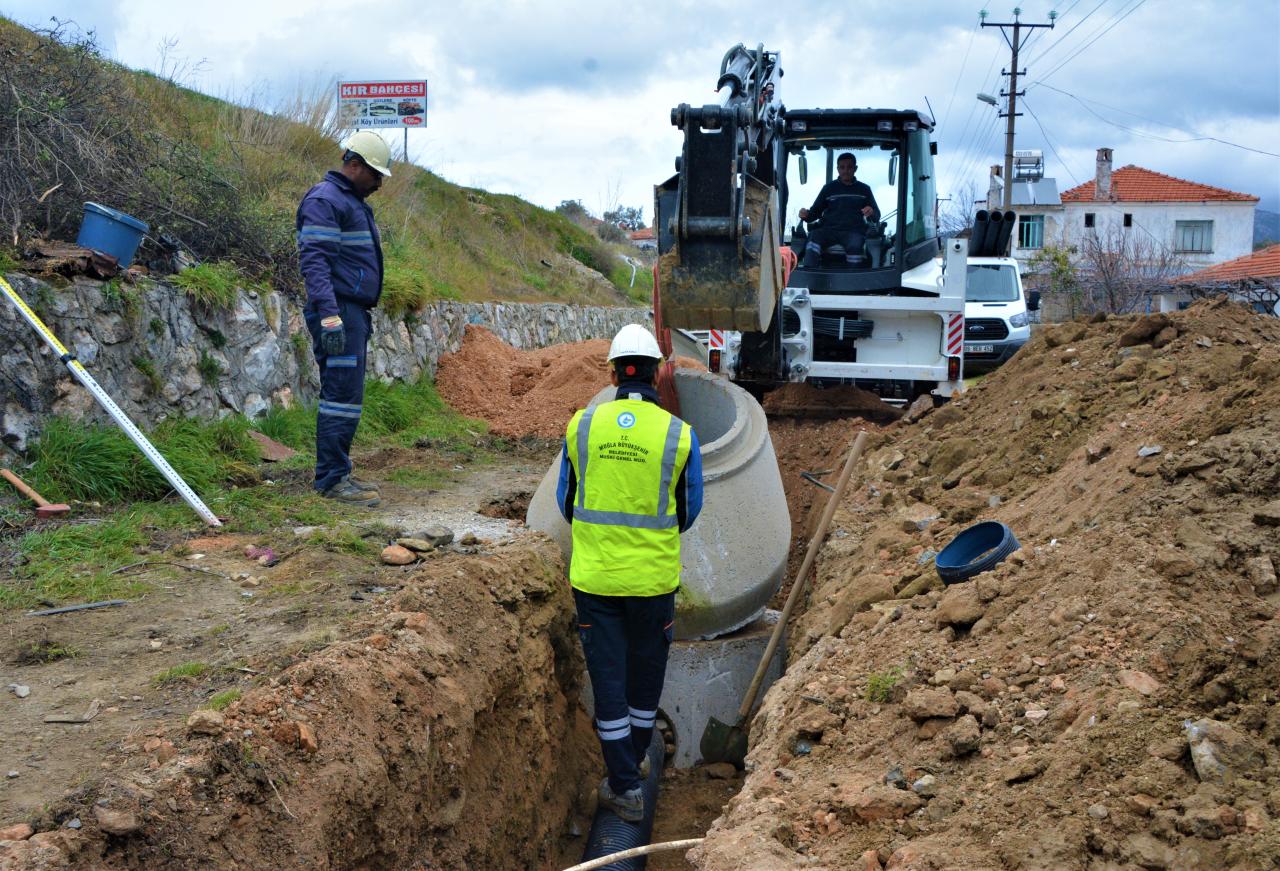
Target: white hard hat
pixel 372 149
pixel 634 340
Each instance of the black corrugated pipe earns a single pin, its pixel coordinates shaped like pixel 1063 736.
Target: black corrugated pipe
pixel 611 834
pixel 1006 231
pixel 978 238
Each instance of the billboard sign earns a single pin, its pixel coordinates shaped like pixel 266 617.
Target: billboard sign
pixel 382 104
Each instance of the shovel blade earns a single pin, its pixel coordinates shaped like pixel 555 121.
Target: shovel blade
pixel 722 742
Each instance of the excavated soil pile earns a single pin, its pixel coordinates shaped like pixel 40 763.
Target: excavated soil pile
pixel 525 393
pixel 446 733
pixel 805 400
pixel 1106 697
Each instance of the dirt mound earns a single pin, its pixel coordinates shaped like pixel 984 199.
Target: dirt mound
pixel 1035 716
pixel 805 400
pixel 524 393
pixel 446 733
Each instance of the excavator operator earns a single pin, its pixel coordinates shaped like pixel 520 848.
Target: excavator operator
pixel 845 205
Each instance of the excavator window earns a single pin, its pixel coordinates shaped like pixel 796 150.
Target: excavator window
pixel 810 167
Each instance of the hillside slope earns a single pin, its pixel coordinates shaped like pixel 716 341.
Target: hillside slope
pixel 225 180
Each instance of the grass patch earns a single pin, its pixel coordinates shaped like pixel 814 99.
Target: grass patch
pixel 209 368
pixel 212 284
pixel 343 539
pixel 147 367
pixel 220 701
pixel 419 478
pixel 88 462
pixel 880 685
pixel 186 671
pixel 45 651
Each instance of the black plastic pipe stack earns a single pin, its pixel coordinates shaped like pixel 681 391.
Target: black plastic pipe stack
pixel 978 240
pixel 1001 247
pixel 611 834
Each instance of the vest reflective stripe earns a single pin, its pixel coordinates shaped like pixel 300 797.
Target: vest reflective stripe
pixel 626 537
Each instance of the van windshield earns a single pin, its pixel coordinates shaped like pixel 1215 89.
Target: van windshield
pixel 991 284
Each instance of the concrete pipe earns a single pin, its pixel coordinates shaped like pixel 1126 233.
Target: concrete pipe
pixel 735 557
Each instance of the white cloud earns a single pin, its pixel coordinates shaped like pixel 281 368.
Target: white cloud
pixel 571 100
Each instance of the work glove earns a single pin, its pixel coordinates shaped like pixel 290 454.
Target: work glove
pixel 333 337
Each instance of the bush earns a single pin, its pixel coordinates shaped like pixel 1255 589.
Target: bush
pixel 211 284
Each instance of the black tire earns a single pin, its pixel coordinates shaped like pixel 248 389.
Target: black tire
pixel 977 549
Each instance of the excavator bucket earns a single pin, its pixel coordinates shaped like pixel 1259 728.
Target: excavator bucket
pixel 722 273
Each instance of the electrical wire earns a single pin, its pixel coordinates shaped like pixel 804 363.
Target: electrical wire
pixel 963 63
pixel 1198 137
pixel 1107 29
pixel 1060 40
pixel 1049 141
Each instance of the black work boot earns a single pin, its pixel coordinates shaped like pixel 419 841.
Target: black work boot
pixel 346 491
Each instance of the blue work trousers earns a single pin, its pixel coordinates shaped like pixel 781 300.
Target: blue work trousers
pixel 825 237
pixel 625 640
pixel 341 391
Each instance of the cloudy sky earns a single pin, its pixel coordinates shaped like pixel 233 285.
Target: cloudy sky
pixel 571 100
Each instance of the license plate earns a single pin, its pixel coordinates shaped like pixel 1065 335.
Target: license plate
pixel 979 349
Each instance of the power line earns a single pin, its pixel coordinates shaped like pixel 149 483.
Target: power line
pixel 1064 36
pixel 1109 27
pixel 1198 137
pixel 1049 141
pixel 963 64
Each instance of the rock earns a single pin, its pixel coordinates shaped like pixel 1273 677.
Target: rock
pixel 468 539
pixel 1098 811
pixel 19 690
pixel 272 451
pixel 116 822
pixel 1268 515
pixel 395 555
pixel 918 409
pixel 1149 451
pixel 437 535
pixel 960 606
pixel 1149 851
pixel 1142 804
pixel 16 832
pixel 1164 337
pixel 1221 754
pixel 1024 768
pixel 307 738
pixel 418 545
pixel 895 778
pixel 1262 574
pixel 1064 334
pixel 1035 714
pixel 721 771
pixel 971 703
pixel 963 737
pixel 1172 563
pixel 1138 681
pixel 286 733
pixel 884 803
pixel 1129 369
pixel 1217 692
pixel 926 704
pixel 927 582
pixel 206 722
pixel 870 859
pixel 1144 330
pixel 926 786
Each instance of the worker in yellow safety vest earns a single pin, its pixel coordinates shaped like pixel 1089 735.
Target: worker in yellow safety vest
pixel 630 483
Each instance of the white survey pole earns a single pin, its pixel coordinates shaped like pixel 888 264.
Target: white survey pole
pixel 82 375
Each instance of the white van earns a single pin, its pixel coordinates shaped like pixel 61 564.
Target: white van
pixel 995 313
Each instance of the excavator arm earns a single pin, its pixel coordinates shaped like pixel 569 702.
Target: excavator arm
pixel 719 264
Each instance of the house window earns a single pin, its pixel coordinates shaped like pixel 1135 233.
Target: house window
pixel 1088 220
pixel 1128 219
pixel 1031 231
pixel 1193 237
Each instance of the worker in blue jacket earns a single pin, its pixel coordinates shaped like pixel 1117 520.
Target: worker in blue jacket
pixel 630 483
pixel 340 253
pixel 845 205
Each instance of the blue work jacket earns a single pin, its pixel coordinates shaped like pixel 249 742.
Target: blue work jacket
pixel 339 248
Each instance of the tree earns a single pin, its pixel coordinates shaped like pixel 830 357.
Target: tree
pixel 627 217
pixel 1120 268
pixel 575 211
pixel 957 215
pixel 1058 277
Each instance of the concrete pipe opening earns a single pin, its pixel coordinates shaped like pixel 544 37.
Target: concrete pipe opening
pixel 734 558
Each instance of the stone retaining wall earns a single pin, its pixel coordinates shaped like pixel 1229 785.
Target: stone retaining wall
pixel 162 354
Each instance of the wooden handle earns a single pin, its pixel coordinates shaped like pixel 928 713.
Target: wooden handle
pixel 22 488
pixel 803 575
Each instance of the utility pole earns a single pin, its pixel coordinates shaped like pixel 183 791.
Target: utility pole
pixel 1013 93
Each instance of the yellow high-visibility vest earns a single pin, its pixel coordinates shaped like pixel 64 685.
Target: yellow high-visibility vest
pixel 627 456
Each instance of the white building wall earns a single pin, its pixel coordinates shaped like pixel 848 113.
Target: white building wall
pixel 1232 225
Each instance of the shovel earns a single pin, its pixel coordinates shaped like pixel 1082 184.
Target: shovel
pixel 44 508
pixel 722 742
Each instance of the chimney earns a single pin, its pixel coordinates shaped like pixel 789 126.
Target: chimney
pixel 1102 181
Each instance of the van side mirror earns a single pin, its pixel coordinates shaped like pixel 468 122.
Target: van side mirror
pixel 1033 300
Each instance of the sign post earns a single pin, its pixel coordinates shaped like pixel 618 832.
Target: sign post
pixel 392 103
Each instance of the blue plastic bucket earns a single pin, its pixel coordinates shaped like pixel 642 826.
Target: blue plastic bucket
pixel 110 232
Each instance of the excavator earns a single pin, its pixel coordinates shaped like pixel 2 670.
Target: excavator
pixel 886 316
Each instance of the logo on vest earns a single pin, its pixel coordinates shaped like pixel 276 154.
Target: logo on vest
pixel 626 420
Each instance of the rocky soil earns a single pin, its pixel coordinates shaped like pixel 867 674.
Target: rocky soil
pixel 1105 698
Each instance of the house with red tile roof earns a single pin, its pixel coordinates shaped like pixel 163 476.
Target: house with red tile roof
pixel 1200 224
pixel 1254 279
pixel 643 238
